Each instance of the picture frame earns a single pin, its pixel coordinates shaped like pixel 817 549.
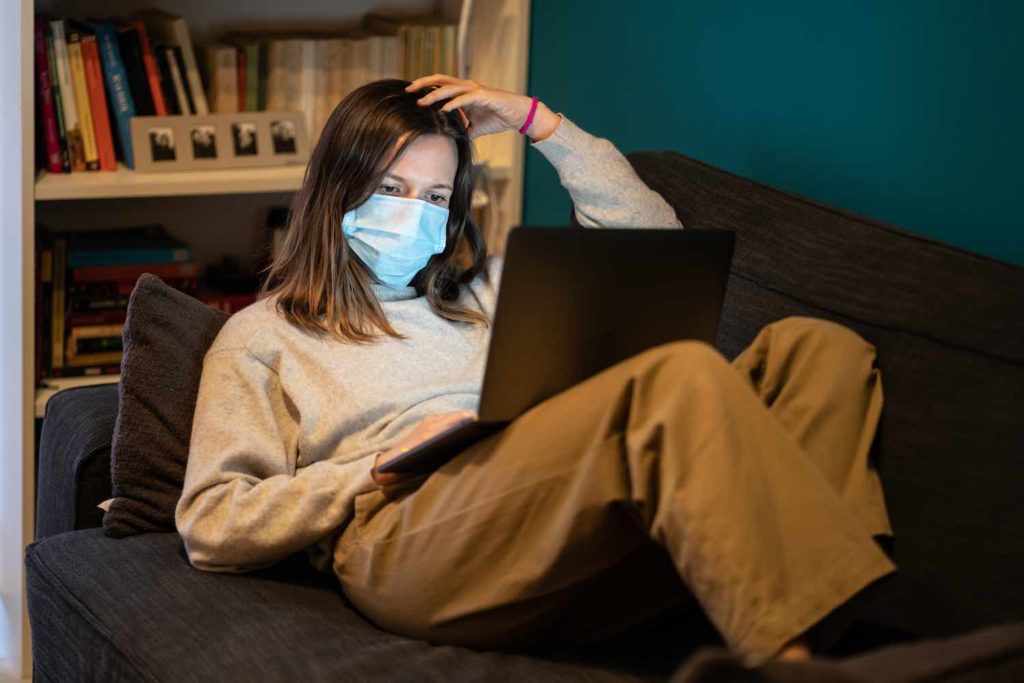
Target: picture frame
pixel 219 141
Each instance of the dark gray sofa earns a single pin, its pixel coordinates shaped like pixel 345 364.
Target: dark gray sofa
pixel 949 328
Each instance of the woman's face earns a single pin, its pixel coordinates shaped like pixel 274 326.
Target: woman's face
pixel 425 170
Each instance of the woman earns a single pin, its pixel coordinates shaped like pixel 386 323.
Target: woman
pixel 370 335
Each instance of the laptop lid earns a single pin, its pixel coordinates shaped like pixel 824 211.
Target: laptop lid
pixel 574 301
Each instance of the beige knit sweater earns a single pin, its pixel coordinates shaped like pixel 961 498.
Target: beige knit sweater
pixel 284 422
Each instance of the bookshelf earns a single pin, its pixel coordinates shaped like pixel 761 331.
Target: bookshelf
pixel 217 211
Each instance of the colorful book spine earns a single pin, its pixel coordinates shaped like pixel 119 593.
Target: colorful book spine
pixel 112 257
pixel 241 59
pixel 117 89
pixel 57 303
pixel 81 89
pixel 132 272
pixel 98 102
pixel 166 80
pixel 58 106
pixel 54 155
pixel 177 81
pixel 73 131
pixel 152 70
pixel 178 69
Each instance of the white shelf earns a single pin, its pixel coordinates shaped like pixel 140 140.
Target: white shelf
pixel 127 183
pixel 51 385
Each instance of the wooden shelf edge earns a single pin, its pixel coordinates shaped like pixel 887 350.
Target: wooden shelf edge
pixel 126 183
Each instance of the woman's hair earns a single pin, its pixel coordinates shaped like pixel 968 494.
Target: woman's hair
pixel 323 286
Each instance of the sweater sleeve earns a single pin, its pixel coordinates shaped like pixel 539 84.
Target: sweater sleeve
pixel 245 504
pixel 604 188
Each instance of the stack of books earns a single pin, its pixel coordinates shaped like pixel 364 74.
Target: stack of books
pixel 93 75
pixel 85 280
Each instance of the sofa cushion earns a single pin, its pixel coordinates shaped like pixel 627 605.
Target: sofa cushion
pixel 133 608
pixel 949 328
pixel 989 655
pixel 165 336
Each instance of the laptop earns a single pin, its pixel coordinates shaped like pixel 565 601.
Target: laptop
pixel 575 301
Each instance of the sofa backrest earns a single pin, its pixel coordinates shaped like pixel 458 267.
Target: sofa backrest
pixel 949 328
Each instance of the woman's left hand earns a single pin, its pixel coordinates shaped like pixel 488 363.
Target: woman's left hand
pixel 486 110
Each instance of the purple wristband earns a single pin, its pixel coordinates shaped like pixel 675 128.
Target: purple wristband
pixel 529 117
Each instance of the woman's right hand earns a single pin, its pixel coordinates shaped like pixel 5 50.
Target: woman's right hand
pixel 428 428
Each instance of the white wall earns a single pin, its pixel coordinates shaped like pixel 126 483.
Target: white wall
pixel 16 132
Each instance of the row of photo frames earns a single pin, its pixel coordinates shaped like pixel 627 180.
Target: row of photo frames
pixel 211 141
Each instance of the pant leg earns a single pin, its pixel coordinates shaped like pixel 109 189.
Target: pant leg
pixel 820 380
pixel 672 445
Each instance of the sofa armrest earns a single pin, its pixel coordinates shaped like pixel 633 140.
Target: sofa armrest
pixel 73 474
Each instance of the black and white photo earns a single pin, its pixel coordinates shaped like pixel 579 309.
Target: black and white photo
pixel 283 135
pixel 204 142
pixel 161 144
pixel 244 135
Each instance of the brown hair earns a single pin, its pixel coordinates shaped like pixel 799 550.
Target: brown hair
pixel 323 286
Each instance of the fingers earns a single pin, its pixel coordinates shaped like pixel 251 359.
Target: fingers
pixel 443 93
pixel 460 101
pixel 387 478
pixel 434 79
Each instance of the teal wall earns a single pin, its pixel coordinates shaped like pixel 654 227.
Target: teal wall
pixel 908 111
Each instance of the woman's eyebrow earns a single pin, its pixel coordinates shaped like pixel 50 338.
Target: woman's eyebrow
pixel 400 178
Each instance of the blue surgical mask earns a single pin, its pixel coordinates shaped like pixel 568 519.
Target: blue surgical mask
pixel 395 236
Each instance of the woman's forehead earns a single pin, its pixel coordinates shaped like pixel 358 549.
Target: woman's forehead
pixel 427 159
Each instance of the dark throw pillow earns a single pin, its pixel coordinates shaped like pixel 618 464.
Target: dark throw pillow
pixel 166 334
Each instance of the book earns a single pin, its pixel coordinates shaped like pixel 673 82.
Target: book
pixel 173 30
pixel 220 71
pixel 181 83
pixel 153 75
pixel 57 302
pixel 148 244
pixel 58 107
pixel 105 369
pixel 252 64
pixel 135 69
pixel 240 79
pixel 73 36
pixel 132 272
pixel 44 89
pixel 319 88
pixel 336 83
pixel 91 303
pixel 426 44
pixel 98 317
pixel 118 91
pixel 72 129
pixel 94 345
pixel 43 287
pixel 98 103
pixel 167 84
pixel 125 287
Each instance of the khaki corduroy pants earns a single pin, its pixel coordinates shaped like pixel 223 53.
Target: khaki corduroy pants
pixel 753 477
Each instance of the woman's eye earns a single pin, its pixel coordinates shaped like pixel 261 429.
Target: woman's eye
pixel 388 187
pixel 438 198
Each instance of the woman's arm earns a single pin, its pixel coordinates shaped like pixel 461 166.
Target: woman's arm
pixel 245 504
pixel 604 188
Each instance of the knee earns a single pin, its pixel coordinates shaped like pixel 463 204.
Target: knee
pixel 823 338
